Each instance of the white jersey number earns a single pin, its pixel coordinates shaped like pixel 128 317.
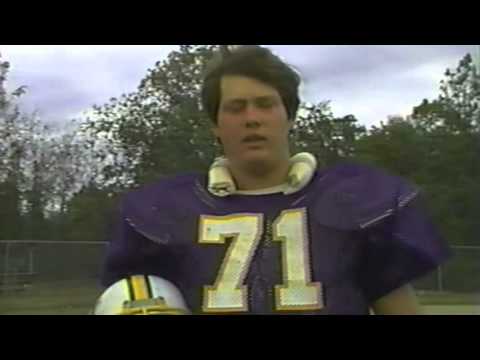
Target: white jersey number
pixel 228 293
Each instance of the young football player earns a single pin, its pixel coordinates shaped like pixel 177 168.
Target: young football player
pixel 266 231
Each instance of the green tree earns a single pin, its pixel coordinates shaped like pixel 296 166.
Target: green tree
pixel 89 211
pixel 450 126
pixel 160 129
pixel 396 146
pixel 11 152
pixel 331 139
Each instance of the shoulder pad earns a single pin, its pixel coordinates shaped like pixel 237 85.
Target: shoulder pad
pixel 153 209
pixel 353 197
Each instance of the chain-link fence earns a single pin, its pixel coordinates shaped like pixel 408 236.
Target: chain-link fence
pixel 459 275
pixel 49 277
pixel 65 275
pixel 24 262
pixel 51 260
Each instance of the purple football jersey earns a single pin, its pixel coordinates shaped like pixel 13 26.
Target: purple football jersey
pixel 351 236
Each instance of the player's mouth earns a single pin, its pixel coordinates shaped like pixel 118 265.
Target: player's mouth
pixel 254 139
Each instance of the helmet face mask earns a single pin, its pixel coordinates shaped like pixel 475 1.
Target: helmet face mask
pixel 156 306
pixel 141 295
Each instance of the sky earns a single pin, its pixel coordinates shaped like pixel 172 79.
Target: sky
pixel 371 82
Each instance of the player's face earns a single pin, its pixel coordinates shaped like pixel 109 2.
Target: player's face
pixel 252 122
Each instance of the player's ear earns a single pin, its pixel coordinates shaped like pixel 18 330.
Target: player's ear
pixel 290 126
pixel 216 133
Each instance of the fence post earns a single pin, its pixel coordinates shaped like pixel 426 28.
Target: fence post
pixel 6 266
pixel 30 260
pixel 440 279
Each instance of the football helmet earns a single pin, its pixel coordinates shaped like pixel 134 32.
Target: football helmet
pixel 141 295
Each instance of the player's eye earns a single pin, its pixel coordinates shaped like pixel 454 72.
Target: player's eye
pixel 265 102
pixel 234 106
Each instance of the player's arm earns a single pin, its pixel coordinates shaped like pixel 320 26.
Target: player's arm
pixel 402 301
pixel 403 248
pixel 138 274
pixel 130 252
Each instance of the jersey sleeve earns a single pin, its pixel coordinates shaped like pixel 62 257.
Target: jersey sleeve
pixel 399 250
pixel 131 252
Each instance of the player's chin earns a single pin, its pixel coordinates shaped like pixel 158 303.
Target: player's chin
pixel 257 161
pixel 250 155
pixel 256 155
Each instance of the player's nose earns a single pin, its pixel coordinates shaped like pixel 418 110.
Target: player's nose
pixel 253 117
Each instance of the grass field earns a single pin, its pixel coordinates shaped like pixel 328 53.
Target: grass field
pixel 435 303
pixel 62 298
pixel 77 298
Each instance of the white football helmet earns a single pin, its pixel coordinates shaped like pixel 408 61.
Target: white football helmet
pixel 141 295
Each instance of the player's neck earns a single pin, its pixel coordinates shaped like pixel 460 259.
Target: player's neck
pixel 247 179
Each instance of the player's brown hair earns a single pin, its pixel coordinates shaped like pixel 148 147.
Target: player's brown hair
pixel 254 62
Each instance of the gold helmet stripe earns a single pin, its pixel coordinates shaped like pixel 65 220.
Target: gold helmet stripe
pixel 140 288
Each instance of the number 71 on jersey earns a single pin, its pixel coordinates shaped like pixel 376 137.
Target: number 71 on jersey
pixel 229 293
